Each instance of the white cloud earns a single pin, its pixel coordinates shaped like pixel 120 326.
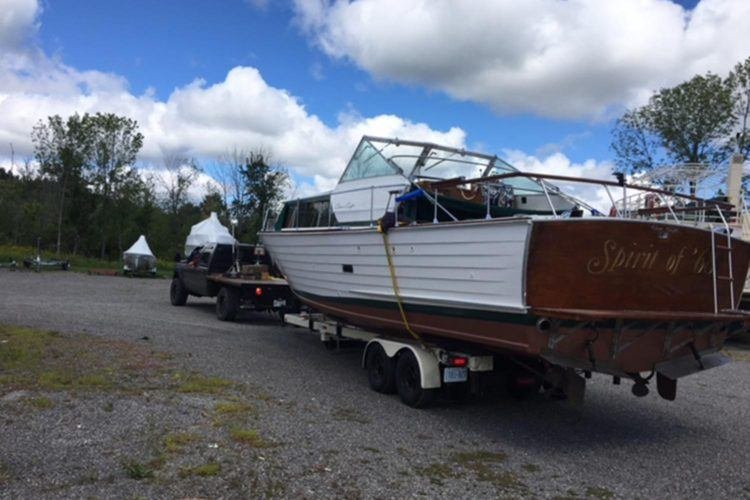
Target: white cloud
pixel 17 22
pixel 572 59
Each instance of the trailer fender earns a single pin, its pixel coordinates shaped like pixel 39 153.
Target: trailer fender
pixel 429 367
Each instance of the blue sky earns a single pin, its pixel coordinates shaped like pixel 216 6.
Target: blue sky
pixel 489 75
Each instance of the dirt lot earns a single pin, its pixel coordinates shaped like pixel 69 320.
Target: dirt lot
pixel 133 397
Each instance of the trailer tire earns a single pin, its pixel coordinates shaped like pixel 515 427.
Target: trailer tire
pixel 408 382
pixel 380 370
pixel 178 295
pixel 227 304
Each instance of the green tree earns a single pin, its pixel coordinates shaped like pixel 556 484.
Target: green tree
pixel 62 148
pixel 689 123
pixel 212 201
pixel 739 83
pixel 265 185
pixel 115 142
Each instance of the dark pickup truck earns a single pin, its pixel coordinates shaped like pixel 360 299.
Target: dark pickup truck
pixel 250 285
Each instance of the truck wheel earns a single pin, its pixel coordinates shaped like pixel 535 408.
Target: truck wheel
pixel 380 370
pixel 178 295
pixel 408 382
pixel 227 304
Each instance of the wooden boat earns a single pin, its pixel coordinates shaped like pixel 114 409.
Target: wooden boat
pixel 409 243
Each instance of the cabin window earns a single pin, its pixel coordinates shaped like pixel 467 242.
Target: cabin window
pixel 367 162
pixel 309 213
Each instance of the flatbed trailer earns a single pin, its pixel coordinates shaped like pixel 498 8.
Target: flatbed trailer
pixel 211 274
pixel 418 371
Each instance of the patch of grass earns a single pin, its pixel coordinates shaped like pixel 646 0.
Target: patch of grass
pixel 249 437
pixel 349 415
pixel 569 495
pixel 599 492
pixel 89 478
pixel 483 464
pixel 196 383
pixel 176 441
pixel 205 470
pixel 370 449
pixel 437 473
pixel 530 468
pixel 21 349
pixel 5 473
pixel 41 403
pixel 137 470
pixel 67 379
pixel 234 408
pixel 79 263
pixel 473 457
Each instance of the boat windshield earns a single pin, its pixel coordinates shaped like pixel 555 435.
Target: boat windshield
pixel 368 161
pixel 377 157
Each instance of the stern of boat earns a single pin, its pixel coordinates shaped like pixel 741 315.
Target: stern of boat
pixel 626 297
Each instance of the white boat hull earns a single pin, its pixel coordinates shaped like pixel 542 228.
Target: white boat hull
pixel 352 264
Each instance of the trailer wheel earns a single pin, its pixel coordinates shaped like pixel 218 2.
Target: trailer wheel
pixel 380 370
pixel 408 382
pixel 227 304
pixel 177 293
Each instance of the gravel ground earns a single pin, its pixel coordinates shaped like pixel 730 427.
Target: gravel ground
pixel 328 434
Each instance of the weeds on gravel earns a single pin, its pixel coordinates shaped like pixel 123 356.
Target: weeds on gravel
pixel 176 441
pixel 349 415
pixel 249 437
pixel 437 473
pixel 196 383
pixel 205 470
pixel 5 473
pixel 21 349
pixel 234 408
pixel 483 464
pixel 41 403
pixel 598 492
pixel 137 470
pixel 530 468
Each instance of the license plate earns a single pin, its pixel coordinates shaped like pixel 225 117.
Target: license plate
pixel 279 303
pixel 451 375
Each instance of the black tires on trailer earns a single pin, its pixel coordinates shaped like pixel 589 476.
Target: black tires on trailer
pixel 408 382
pixel 227 304
pixel 381 370
pixel 178 295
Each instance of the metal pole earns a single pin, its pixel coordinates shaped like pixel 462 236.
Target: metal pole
pixel 372 198
pixel 434 207
pixel 611 198
pixel 549 200
pixel 487 196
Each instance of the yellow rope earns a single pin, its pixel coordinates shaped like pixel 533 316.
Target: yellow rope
pixel 396 290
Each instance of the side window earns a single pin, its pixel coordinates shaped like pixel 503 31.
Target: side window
pixel 367 162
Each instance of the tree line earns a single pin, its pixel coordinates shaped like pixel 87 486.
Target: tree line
pixel 82 193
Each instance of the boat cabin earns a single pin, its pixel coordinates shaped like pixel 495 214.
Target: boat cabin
pixel 387 173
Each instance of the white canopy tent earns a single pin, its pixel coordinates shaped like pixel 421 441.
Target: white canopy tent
pixel 139 257
pixel 208 231
pixel 140 247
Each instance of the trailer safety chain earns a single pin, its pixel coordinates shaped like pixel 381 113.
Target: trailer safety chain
pixel 396 290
